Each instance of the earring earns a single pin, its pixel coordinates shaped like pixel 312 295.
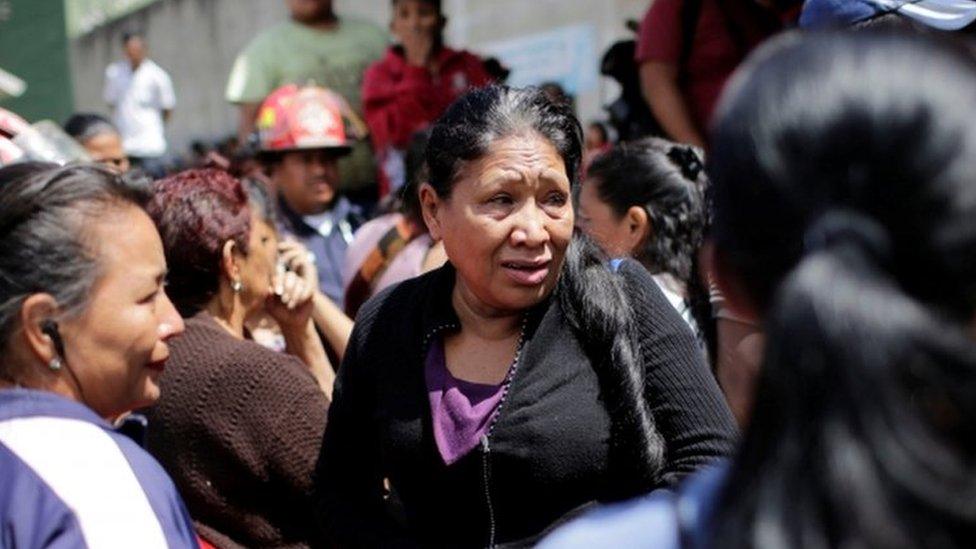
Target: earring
pixel 236 286
pixel 54 364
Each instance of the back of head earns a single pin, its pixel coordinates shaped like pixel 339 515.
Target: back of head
pixel 667 180
pixel 197 212
pixel 842 174
pixel 44 245
pixel 83 126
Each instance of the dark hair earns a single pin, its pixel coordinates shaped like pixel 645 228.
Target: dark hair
pixel 85 125
pixel 415 170
pixel 44 245
pixel 590 295
pixel 668 181
pixel 842 167
pixel 197 211
pixel 131 35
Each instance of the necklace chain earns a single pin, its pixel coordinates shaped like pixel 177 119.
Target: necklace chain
pixel 507 383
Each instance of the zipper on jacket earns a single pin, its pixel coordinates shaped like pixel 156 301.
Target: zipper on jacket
pixel 485 446
pixel 486 476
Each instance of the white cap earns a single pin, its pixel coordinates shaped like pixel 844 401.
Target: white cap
pixel 946 15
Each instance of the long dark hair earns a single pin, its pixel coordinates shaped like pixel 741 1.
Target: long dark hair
pixel 668 181
pixel 592 298
pixel 842 168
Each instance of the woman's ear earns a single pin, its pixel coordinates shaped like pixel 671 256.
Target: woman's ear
pixel 638 225
pixel 228 261
pixel 430 205
pixel 37 310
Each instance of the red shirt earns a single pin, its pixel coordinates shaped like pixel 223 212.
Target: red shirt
pixel 400 99
pixel 727 31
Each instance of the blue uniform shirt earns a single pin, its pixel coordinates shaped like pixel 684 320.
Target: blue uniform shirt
pixel 68 480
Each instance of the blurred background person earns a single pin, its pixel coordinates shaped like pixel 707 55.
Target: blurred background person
pixel 844 221
pixel 395 246
pixel 240 426
pixel 414 83
pixel 646 200
pixel 596 141
pixel 687 49
pixel 140 94
pixel 524 380
pixel 315 46
pixel 85 327
pixel 100 139
pixel 302 139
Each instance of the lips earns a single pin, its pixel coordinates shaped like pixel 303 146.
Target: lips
pixel 157 365
pixel 527 272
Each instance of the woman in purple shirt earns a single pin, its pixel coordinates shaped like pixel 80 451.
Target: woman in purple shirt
pixel 523 381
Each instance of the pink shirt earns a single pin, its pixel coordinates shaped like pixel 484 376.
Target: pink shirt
pixel 406 264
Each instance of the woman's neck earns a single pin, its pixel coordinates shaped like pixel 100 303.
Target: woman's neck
pixel 228 312
pixel 481 320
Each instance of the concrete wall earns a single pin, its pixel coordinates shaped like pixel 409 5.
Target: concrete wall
pixel 197 40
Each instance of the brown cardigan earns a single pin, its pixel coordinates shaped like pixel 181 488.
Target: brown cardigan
pixel 239 428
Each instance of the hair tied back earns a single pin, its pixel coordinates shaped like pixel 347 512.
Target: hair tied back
pixel 687 160
pixel 845 226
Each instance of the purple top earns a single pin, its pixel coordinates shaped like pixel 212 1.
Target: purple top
pixel 461 410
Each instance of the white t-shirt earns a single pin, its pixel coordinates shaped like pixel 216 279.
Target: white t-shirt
pixel 139 98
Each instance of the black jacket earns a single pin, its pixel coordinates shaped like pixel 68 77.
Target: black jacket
pixel 547 456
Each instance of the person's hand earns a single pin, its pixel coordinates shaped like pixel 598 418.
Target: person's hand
pixel 290 302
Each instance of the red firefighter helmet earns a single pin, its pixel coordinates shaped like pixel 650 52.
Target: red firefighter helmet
pixel 300 118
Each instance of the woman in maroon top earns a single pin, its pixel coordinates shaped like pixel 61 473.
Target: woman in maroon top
pixel 414 83
pixel 687 49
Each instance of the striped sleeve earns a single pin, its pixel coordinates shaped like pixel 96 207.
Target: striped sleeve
pixel 69 483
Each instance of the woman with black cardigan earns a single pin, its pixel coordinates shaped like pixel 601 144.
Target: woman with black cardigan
pixel 527 379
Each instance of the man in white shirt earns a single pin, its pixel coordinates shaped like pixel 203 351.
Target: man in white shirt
pixel 141 96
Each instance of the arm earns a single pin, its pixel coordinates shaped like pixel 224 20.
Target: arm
pixel 332 322
pixel 685 400
pixel 304 343
pixel 660 46
pixel 740 349
pixel 659 84
pixel 349 477
pixel 167 97
pixel 293 304
pixel 250 81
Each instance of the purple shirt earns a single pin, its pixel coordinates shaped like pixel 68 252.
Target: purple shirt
pixel 461 410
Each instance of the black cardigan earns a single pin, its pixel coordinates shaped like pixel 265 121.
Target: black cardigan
pixel 547 455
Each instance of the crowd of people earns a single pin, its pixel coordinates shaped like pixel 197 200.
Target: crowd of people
pixel 410 306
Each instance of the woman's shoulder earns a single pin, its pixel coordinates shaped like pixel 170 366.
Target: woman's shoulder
pixel 206 348
pixel 651 306
pixel 107 475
